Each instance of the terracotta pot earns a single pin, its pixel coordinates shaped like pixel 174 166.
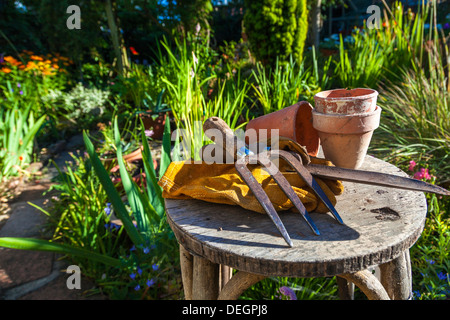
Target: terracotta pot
pixel 343 101
pixel 294 122
pixel 346 138
pixel 157 125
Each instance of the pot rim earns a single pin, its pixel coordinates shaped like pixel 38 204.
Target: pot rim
pixel 346 123
pixel 369 95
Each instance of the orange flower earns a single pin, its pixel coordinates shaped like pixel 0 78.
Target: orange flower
pixel 55 66
pixel 6 70
pixel 34 57
pixel 12 61
pixel 21 158
pixel 31 65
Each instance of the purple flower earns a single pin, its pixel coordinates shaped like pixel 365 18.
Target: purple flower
pixel 146 250
pixel 137 287
pixel 133 275
pixel 149 133
pixel 18 85
pixel 20 92
pixel 1 58
pixel 155 267
pixel 447 26
pixel 111 225
pixel 288 293
pixel 108 209
pixel 442 276
pixel 150 282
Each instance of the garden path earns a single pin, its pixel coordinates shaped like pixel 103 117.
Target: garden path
pixel 33 275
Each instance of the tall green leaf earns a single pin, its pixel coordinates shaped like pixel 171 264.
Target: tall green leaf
pixel 44 245
pixel 112 193
pixel 142 209
pixel 165 152
pixel 154 191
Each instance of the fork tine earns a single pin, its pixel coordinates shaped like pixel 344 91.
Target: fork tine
pixel 287 189
pixel 295 162
pixel 261 196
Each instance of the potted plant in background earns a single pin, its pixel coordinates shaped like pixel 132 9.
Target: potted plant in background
pixel 154 118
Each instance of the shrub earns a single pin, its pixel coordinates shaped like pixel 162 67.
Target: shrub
pixel 276 29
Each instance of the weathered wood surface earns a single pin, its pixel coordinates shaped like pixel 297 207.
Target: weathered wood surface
pixel 379 224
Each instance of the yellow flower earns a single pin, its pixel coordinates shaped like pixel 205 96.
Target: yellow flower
pixel 31 65
pixel 47 72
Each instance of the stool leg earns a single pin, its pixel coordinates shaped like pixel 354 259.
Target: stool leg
pixel 368 284
pixel 205 279
pixel 346 289
pixel 225 275
pixel 186 264
pixel 396 277
pixel 240 282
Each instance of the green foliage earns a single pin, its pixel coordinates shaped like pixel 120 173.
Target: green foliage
pixel 276 29
pixel 81 105
pixel 416 109
pixel 26 80
pixel 362 65
pixel 281 86
pixel 375 56
pixel 125 245
pixel 300 288
pixel 197 93
pixel 18 128
pixel 194 16
pixel 51 17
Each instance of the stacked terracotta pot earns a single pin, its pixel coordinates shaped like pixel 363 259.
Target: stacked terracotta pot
pixel 345 121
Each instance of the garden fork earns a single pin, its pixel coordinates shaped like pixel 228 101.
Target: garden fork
pixel 243 156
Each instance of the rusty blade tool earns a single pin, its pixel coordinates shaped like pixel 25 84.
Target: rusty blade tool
pixel 374 178
pixel 243 156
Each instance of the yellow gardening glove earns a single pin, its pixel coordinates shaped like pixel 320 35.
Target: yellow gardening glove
pixel 220 183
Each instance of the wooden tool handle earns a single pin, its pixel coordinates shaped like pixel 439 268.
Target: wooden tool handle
pixel 218 131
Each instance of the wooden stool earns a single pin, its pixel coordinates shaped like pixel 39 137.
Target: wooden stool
pixel 380 225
